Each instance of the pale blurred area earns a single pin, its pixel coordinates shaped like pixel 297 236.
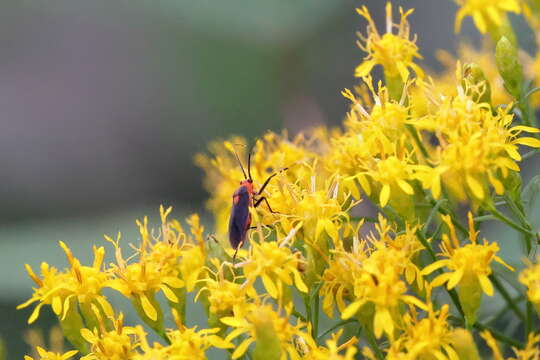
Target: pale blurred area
pixel 104 104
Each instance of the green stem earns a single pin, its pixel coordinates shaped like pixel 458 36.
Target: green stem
pixel 506 296
pixel 498 335
pixel 315 328
pixel 529 154
pixel 484 218
pixel 503 218
pixel 503 310
pixel 452 293
pixel 456 223
pixel 373 343
pixel 341 323
pixel 529 320
pixel 432 215
pixel 509 222
pixel 532 91
pixel 417 140
pixel 298 315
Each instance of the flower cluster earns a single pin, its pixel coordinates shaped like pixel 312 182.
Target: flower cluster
pixel 436 154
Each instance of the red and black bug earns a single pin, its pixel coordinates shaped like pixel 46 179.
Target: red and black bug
pixel 244 197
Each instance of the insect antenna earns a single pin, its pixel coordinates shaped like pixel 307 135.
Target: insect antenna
pixel 240 163
pixel 249 163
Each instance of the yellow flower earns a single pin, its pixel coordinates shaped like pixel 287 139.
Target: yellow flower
pixel 81 283
pixel 167 263
pixel 485 13
pixel 339 279
pixel 469 265
pixel 427 337
pixel 394 52
pixel 530 277
pixel 269 329
pixel 376 151
pixel 476 147
pixel 47 355
pixel 186 344
pixel 467 53
pixel 270 154
pixel 275 265
pixel 378 287
pixel 225 297
pixel 120 343
pixel 332 350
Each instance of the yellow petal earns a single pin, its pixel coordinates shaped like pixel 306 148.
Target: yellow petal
pixel 88 336
pixel 475 186
pixel 529 129
pixel 331 229
pixel 441 279
pixel 169 294
pixel 455 278
pixel 383 322
pixel 436 186
pixel 384 196
pixel 434 266
pixel 270 286
pixel 148 308
pixel 57 305
pixel 486 285
pixel 351 309
pixel 242 348
pixel 364 68
pixel 405 186
pixel 528 141
pixel 299 282
pixel 35 314
pixel 173 282
pixel 414 301
pixel 365 184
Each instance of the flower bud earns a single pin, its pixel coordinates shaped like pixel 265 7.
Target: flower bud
pixel 267 346
pixel 476 84
pixel 506 56
pixel 149 311
pixel 71 324
pixel 470 297
pixel 464 345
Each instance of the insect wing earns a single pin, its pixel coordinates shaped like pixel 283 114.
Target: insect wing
pixel 240 219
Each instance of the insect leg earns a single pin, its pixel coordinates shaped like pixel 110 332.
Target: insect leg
pixel 261 199
pixel 236 251
pixel 268 180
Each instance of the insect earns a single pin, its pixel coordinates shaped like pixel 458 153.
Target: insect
pixel 244 197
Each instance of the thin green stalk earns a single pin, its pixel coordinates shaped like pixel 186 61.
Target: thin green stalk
pixel 529 154
pixel 298 315
pixel 341 323
pixel 506 296
pixel 452 293
pixel 315 329
pixel 532 91
pixel 484 218
pixel 502 311
pixel 417 140
pixel 509 221
pixel 432 215
pixel 529 320
pixel 373 344
pixel 527 233
pixel 456 223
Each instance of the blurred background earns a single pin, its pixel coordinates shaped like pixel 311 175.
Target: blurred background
pixel 104 104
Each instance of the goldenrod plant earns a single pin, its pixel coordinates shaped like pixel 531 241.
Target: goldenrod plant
pixel 436 154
